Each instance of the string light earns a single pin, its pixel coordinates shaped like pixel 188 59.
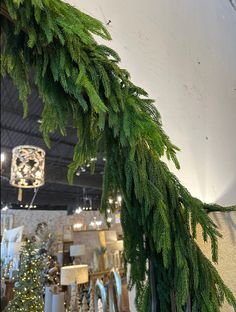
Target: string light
pixel 77 226
pixel 29 286
pixel 119 199
pixel 109 219
pixel 5 208
pixel 98 223
pixel 3 157
pixel 78 210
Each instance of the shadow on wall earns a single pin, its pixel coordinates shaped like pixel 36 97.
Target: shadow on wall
pixel 228 219
pixel 222 219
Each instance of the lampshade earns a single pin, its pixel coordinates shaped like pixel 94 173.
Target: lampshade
pixel 74 274
pixel 77 250
pixel 27 167
pixel 115 246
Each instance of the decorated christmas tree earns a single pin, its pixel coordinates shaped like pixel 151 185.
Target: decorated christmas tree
pixel 29 288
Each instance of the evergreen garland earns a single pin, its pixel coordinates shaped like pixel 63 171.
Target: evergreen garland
pixel 80 81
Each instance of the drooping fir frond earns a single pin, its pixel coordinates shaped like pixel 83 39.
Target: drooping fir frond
pixel 80 81
pixel 217 208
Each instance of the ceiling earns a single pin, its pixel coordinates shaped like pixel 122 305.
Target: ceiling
pixel 56 193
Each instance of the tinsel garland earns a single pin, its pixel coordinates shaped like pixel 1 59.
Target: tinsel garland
pixel 80 82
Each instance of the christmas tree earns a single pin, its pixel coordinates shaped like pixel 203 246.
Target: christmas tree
pixel 29 289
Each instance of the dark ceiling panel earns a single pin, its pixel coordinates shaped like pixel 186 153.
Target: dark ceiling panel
pixel 18 131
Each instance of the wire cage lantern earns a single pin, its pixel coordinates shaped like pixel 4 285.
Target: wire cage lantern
pixel 27 167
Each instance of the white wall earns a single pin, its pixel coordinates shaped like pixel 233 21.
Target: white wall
pixel 184 54
pixel 162 43
pixel 57 221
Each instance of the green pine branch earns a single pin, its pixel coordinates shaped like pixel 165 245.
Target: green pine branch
pixel 80 82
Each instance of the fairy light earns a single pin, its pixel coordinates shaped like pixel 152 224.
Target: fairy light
pixel 3 157
pixel 119 199
pixel 77 226
pixel 29 286
pixel 5 208
pixel 78 210
pixel 109 219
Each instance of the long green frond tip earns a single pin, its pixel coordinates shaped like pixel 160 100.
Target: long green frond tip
pixel 218 208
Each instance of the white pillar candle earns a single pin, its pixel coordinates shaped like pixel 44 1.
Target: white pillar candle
pixel 58 302
pixel 48 300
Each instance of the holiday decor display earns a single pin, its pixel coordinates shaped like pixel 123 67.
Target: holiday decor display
pixel 51 267
pixel 76 251
pixel 27 167
pixel 84 306
pixel 74 274
pixel 48 299
pixel 100 296
pixel 80 80
pixel 58 302
pixel 91 297
pixel 29 290
pixel 74 302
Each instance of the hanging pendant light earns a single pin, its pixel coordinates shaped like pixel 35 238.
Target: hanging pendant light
pixel 27 167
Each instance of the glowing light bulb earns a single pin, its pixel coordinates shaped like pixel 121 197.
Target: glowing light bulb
pixel 78 210
pixel 77 226
pixel 119 198
pixel 83 169
pixel 3 157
